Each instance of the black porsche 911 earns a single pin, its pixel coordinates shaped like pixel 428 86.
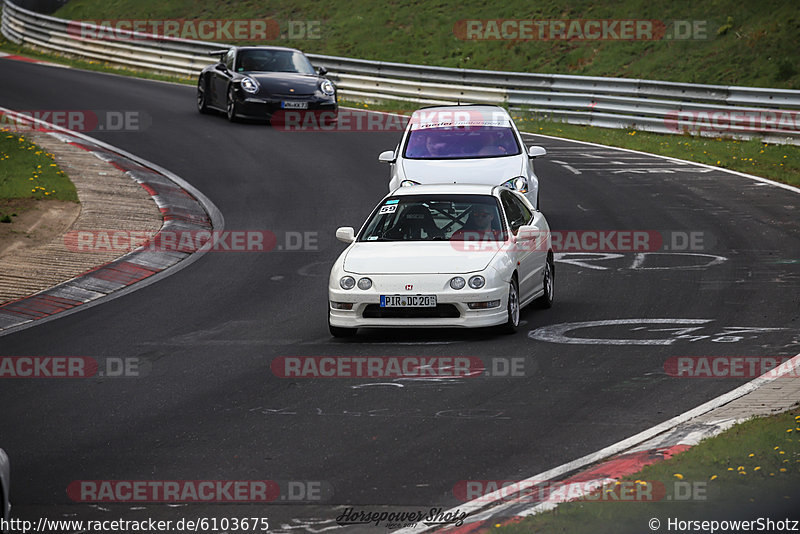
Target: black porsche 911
pixel 263 82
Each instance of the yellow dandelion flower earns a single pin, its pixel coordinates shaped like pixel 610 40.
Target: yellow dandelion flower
pixel 740 468
pixel 756 468
pixel 678 476
pixel 713 477
pixel 782 469
pixel 750 455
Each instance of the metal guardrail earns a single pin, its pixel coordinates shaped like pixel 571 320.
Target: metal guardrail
pixel 666 107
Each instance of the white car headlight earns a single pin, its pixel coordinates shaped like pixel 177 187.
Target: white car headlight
pixel 477 282
pixel 347 282
pixel 327 87
pixel 408 183
pixel 517 184
pixel 249 84
pixel 457 282
pixel 364 283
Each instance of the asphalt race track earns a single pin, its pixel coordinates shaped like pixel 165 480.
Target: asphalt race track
pixel 209 407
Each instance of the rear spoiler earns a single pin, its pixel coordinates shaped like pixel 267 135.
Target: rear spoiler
pixel 219 52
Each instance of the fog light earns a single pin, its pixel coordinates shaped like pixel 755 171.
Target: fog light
pixel 341 305
pixel 483 305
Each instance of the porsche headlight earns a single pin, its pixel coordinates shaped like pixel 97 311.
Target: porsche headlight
pixel 517 184
pixel 327 87
pixel 249 84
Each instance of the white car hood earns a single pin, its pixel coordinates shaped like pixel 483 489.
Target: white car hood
pixel 493 171
pixel 415 258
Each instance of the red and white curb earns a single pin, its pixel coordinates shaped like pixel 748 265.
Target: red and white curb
pixel 183 208
pixel 608 465
pixel 26 59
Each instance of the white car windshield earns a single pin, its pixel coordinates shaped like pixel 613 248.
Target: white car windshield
pixel 436 217
pixel 461 142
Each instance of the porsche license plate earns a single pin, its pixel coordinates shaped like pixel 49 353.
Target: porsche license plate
pixel 408 301
pixel 294 105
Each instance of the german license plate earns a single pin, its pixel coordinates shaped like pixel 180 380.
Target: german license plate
pixel 294 105
pixel 408 301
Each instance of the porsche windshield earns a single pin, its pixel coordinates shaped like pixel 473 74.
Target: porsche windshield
pixel 461 142
pixel 435 217
pixel 255 60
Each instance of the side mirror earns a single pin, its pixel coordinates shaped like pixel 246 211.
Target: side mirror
pixel 221 67
pixel 322 71
pixel 529 232
pixel 346 234
pixel 386 156
pixel 536 151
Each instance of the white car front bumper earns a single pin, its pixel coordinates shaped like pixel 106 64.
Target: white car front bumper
pixel 452 305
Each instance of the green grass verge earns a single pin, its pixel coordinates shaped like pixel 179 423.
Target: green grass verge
pixel 29 171
pixel 744 44
pixel 751 467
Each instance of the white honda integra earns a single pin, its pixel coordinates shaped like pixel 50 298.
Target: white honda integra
pixel 465 144
pixel 449 255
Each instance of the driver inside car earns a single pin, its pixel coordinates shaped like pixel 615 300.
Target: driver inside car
pixel 415 223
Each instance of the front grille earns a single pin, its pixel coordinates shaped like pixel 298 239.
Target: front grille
pixel 441 311
pixel 292 95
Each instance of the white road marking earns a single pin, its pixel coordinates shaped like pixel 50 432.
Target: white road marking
pixel 640 258
pixel 557 333
pixel 566 166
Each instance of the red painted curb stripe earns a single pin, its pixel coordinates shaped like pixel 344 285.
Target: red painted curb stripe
pixel 39 305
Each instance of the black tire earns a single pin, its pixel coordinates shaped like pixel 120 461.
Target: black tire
pixel 231 109
pixel 202 97
pixel 512 309
pixel 548 284
pixel 338 331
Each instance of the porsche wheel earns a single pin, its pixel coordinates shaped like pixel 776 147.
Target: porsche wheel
pixel 202 99
pixel 231 109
